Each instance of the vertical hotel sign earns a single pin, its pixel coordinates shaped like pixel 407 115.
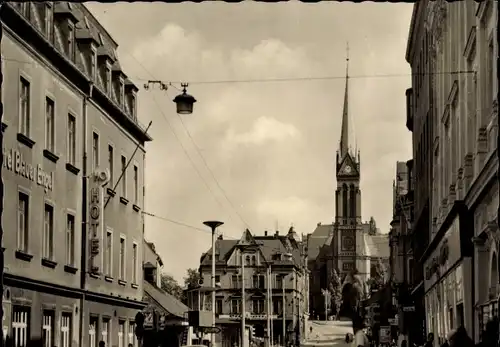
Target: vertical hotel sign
pixel 95 221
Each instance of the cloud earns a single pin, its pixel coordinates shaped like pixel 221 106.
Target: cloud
pixel 264 130
pixel 255 153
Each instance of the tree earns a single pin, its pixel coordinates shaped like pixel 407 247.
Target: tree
pixel 192 278
pixel 335 289
pixel 377 275
pixel 171 286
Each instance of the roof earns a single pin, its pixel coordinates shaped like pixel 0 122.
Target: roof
pixel 165 300
pixel 268 246
pixel 321 236
pixel 378 245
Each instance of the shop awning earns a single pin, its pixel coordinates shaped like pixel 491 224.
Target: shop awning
pixel 167 301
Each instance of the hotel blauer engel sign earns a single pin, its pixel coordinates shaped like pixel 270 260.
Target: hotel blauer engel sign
pixel 13 161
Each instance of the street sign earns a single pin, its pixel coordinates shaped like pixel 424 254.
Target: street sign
pixel 385 334
pixel 211 330
pixel 393 321
pixel 409 309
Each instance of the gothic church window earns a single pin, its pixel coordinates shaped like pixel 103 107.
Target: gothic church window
pixel 353 201
pixel 344 200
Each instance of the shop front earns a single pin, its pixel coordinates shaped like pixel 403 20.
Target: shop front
pixel 446 304
pixel 486 248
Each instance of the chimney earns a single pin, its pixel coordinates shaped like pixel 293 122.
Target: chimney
pixel 265 232
pixel 277 233
pixel 319 224
pixel 220 237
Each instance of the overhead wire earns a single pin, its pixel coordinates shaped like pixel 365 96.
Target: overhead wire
pixel 287 79
pixel 197 150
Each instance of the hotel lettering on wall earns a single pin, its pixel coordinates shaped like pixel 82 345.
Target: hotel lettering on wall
pixel 445 256
pixel 95 221
pixel 13 161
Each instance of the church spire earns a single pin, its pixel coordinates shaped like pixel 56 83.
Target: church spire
pixel 344 135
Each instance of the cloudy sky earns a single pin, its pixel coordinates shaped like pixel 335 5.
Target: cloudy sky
pixel 262 154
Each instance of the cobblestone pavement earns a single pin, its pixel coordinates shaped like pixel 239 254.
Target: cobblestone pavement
pixel 330 333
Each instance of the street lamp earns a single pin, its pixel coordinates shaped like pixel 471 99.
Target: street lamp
pixel 213 225
pixel 184 101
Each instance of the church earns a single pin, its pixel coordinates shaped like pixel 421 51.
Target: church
pixel 348 243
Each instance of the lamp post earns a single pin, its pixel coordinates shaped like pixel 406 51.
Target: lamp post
pixel 213 225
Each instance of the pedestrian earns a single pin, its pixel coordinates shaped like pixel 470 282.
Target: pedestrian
pixel 460 339
pixel 360 339
pixel 102 343
pixel 489 336
pixel 430 340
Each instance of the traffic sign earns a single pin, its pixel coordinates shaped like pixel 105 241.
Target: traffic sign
pixel 211 330
pixel 409 309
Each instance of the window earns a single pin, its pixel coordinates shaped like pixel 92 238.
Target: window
pixel 235 306
pixel 20 326
pixel 277 306
pixel 22 222
pixel 49 125
pixel 48 328
pixel 70 239
pixel 92 63
pixel 258 281
pixel 121 334
pixel 217 278
pixel 136 185
pixel 49 22
pixel 105 331
pixel 121 98
pixel 135 262
pixel 111 166
pixel 258 306
pixel 279 282
pixel 131 334
pixel 235 281
pixel 122 257
pixel 48 232
pixel 71 139
pixel 93 338
pixel 71 42
pixel 124 177
pixel 95 151
pixel 108 253
pixel 66 329
pixel 218 306
pixel 490 90
pixel 132 106
pixel 24 107
pixel 107 78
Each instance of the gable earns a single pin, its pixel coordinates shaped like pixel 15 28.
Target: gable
pixel 247 239
pixel 347 168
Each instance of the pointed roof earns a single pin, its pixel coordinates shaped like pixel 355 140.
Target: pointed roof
pixel 246 239
pixel 344 134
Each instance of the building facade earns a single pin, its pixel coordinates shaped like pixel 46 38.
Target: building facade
pixel 63 172
pixel 463 113
pixel 286 301
pixel 347 244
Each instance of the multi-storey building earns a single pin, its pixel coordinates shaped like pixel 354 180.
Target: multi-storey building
pixel 73 252
pixel 346 245
pixel 411 322
pixel 285 303
pixel 165 316
pixel 452 49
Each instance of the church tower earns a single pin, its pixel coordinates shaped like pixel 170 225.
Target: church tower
pixel 348 225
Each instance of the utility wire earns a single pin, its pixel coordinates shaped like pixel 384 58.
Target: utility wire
pixel 290 79
pixel 211 173
pixel 199 153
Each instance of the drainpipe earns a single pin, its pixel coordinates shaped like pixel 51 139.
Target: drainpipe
pixel 83 257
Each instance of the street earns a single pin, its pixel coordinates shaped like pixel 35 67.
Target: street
pixel 329 333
